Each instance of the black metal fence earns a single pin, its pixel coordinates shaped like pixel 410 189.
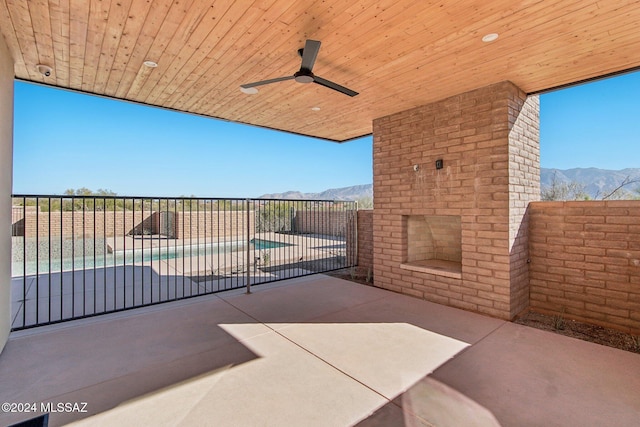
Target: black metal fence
pixel 79 256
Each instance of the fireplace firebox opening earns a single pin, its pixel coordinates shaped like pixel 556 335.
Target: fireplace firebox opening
pixel 434 244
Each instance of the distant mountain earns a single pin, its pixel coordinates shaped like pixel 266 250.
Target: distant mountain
pixel 596 182
pixel 354 192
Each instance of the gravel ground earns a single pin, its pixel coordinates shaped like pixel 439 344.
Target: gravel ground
pixel 583 331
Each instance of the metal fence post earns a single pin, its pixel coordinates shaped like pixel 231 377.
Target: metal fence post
pixel 248 249
pixel 355 234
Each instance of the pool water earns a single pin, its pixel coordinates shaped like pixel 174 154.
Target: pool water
pixel 131 256
pixel 267 244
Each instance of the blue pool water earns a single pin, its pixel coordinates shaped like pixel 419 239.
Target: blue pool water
pixel 267 244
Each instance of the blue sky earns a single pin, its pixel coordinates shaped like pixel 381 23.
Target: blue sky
pixel 69 140
pixel 592 125
pixel 78 141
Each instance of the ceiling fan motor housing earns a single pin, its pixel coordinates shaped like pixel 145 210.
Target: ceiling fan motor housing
pixel 304 76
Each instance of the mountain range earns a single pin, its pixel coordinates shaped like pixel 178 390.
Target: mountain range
pixel 595 182
pixel 354 192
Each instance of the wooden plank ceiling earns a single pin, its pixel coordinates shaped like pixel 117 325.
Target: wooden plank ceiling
pixel 397 54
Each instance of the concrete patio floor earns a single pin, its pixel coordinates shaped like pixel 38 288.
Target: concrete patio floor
pixel 316 351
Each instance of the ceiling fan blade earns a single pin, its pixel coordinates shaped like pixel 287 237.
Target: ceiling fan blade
pixel 334 86
pixel 309 54
pixel 266 82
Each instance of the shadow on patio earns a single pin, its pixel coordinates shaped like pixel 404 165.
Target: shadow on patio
pixel 316 351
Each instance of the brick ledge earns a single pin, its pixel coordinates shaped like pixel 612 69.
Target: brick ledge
pixel 437 267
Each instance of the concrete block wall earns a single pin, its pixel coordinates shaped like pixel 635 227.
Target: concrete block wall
pixel 201 223
pixel 188 225
pixel 585 261
pixel 224 224
pixel 328 223
pixel 31 223
pixel 477 135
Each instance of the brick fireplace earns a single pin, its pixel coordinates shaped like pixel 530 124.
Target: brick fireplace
pixel 455 233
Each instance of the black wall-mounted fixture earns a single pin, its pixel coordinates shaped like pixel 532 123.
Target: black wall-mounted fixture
pixel 439 164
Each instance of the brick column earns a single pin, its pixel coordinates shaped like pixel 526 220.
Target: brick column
pixel 524 187
pixel 488 141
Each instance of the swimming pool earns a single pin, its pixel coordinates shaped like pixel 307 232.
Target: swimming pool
pixel 268 244
pixel 131 256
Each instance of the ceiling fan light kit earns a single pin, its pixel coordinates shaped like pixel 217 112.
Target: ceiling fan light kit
pixel 249 90
pixel 304 75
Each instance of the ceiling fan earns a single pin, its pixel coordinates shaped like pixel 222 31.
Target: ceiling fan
pixel 304 75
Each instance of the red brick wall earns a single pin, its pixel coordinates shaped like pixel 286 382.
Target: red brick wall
pixel 365 239
pixel 585 261
pixel 488 140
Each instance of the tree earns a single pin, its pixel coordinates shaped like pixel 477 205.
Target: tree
pixel 616 192
pixel 365 202
pixel 576 191
pixel 274 216
pixel 563 190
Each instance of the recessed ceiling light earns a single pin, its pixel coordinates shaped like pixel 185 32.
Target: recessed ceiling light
pixel 249 90
pixel 315 108
pixel 150 64
pixel 490 37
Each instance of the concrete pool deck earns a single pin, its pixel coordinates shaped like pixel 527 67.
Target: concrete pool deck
pixel 316 351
